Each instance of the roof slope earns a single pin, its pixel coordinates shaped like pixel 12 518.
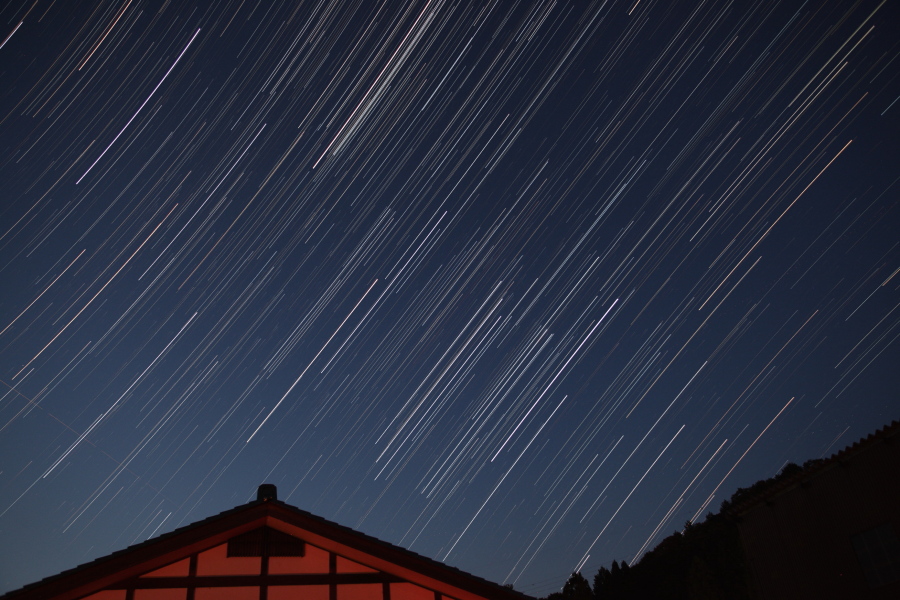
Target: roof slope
pixel 265 512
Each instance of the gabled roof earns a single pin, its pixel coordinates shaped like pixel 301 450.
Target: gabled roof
pixel 396 563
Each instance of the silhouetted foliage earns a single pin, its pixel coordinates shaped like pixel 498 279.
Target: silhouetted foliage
pixel 601 580
pixel 743 494
pixel 704 561
pixel 577 588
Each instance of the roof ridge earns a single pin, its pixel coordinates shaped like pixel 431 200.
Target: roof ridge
pixel 255 510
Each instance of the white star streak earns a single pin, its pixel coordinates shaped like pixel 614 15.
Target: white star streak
pixel 140 108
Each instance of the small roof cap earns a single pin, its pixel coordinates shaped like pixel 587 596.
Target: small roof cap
pixel 267 491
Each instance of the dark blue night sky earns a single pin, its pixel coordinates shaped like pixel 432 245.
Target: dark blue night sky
pixel 520 286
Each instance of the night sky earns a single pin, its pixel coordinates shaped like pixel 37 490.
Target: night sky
pixel 522 287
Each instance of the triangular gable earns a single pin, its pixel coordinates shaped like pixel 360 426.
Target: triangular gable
pixel 265 550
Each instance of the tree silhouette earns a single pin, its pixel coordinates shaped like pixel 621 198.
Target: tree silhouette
pixel 577 588
pixel 704 561
pixel 602 583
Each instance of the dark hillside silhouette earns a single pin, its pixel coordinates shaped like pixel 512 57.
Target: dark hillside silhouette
pixel 827 529
pixel 704 561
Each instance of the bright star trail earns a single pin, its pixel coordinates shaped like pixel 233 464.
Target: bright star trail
pixel 521 286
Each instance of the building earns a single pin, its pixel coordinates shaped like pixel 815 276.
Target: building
pixel 264 550
pixel 830 530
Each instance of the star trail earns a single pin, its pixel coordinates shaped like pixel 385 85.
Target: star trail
pixel 520 286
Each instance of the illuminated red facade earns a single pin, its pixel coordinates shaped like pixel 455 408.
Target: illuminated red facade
pixel 264 550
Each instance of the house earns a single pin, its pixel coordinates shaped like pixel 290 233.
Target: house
pixel 831 529
pixel 264 550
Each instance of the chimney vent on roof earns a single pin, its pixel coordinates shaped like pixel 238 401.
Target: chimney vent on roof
pixel 267 491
